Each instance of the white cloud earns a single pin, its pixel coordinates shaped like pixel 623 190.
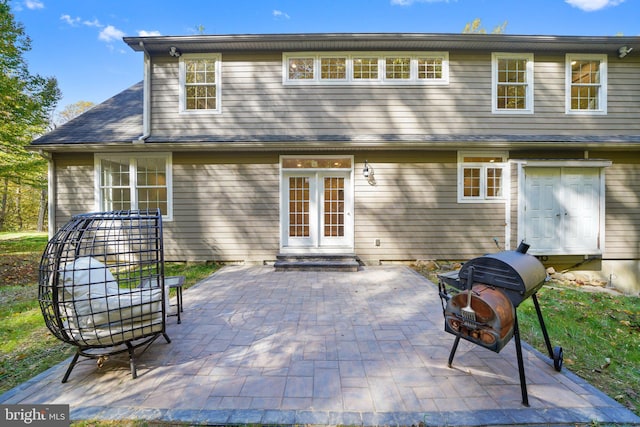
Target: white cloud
pixel 278 14
pixel 34 4
pixel 94 23
pixel 69 20
pixel 145 33
pixel 110 33
pixel 593 5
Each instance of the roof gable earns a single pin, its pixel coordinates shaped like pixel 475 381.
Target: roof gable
pixel 118 119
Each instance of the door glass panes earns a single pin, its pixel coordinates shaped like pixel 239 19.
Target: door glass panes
pixel 333 207
pixel 298 207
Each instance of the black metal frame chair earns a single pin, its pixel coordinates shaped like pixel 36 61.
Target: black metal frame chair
pixel 102 286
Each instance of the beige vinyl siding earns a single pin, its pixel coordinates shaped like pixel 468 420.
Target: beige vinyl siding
pixel 413 210
pixel 74 188
pixel 255 102
pixel 225 207
pixel 622 207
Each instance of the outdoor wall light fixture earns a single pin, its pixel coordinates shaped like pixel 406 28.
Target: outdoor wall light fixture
pixel 174 51
pixel 624 51
pixel 367 172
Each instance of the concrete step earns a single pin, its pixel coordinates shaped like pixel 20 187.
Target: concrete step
pixel 316 262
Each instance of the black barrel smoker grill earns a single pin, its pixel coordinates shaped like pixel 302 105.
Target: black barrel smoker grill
pixel 483 312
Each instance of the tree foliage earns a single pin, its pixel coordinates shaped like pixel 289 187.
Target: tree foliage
pixel 72 111
pixel 26 103
pixel 475 27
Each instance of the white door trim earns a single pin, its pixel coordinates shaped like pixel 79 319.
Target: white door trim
pixel 315 243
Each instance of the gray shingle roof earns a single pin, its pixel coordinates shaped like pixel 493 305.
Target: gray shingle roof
pixel 118 119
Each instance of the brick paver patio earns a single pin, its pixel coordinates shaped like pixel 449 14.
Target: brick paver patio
pixel 363 348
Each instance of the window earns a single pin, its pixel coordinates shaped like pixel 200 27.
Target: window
pixel 512 83
pixel 365 68
pixel 421 68
pixel 481 176
pixel 333 68
pixel 126 182
pixel 200 83
pixel 586 84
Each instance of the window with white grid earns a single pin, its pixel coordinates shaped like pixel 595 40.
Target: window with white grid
pixel 134 182
pixel 586 84
pixel 512 88
pixel 200 83
pixel 393 68
pixel 481 176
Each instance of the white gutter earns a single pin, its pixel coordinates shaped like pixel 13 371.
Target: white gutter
pixel 146 98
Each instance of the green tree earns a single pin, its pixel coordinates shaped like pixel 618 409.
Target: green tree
pixel 26 103
pixel 72 111
pixel 475 27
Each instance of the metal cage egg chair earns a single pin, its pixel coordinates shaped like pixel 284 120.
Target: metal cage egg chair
pixel 101 284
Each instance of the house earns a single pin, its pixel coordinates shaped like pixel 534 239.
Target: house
pixel 386 147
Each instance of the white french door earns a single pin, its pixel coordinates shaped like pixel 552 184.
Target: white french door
pixel 317 211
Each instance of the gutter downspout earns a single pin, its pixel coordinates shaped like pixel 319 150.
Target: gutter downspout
pixel 146 98
pixel 51 193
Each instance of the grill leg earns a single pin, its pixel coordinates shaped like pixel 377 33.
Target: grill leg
pixel 534 297
pixel 453 350
pixel 523 381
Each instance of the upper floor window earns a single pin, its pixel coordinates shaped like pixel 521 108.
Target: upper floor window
pixel 481 176
pixel 366 67
pixel 126 182
pixel 512 78
pixel 586 84
pixel 200 83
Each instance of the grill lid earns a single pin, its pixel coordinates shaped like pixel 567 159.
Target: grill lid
pixel 520 275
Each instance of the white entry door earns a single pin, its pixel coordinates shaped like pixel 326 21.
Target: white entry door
pixel 317 211
pixel 562 208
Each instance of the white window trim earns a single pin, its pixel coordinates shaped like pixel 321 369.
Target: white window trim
pixel 133 177
pixel 504 165
pixel 182 93
pixel 380 56
pixel 495 56
pixel 603 83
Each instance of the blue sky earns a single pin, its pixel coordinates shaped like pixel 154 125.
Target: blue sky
pixel 80 41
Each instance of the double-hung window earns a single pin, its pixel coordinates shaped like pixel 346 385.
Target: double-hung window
pixel 200 83
pixel 586 84
pixel 481 176
pixel 512 83
pixel 125 182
